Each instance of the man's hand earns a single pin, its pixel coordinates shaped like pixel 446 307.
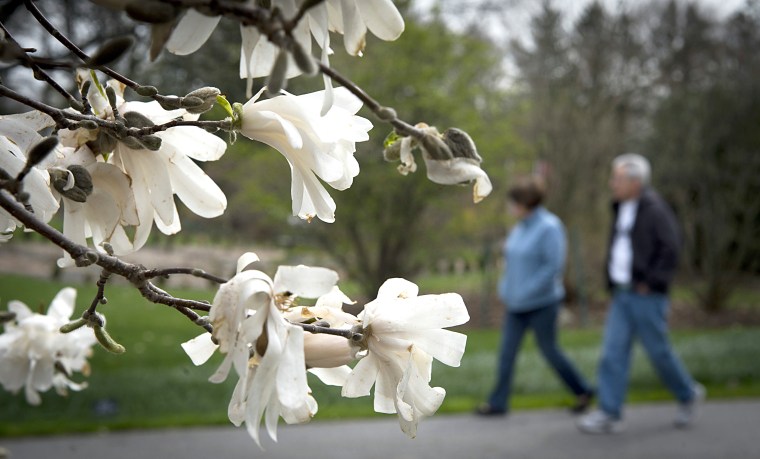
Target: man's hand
pixel 642 289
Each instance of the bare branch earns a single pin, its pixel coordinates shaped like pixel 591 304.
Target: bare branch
pixel 135 274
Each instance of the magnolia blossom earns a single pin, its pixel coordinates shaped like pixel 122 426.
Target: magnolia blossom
pixel 316 147
pixel 35 355
pixel 109 208
pixel 350 18
pixel 404 333
pixel 462 165
pixel 18 134
pixel 156 176
pixel 266 350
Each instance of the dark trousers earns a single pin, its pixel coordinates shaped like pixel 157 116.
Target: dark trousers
pixel 543 321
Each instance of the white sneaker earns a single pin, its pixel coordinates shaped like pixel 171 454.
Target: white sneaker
pixel 599 422
pixel 687 412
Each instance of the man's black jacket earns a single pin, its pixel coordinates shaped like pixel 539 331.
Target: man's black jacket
pixel 655 242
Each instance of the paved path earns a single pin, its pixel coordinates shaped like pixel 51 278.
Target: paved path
pixel 725 430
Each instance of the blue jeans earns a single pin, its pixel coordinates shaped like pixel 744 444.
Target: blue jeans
pixel 543 321
pixel 634 315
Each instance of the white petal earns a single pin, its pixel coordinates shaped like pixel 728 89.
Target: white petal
pixel 305 281
pixel 191 32
pixel 200 348
pixel 361 379
pixel 196 189
pixel 459 170
pixel 444 345
pixel 423 312
pixel 397 288
pixel 193 142
pixel 62 305
pixel 382 18
pixel 245 260
pixel 354 29
pixel 21 310
pixel 336 376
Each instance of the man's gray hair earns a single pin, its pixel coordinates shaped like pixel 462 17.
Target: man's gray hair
pixel 635 166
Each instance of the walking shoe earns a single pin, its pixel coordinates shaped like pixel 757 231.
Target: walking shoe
pixel 599 422
pixel 687 412
pixel 487 410
pixel 582 403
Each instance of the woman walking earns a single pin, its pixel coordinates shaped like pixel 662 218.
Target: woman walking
pixel 531 288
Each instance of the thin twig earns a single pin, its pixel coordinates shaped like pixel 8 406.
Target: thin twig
pixel 55 33
pixel 38 72
pixel 345 333
pixel 156 272
pixel 135 274
pixel 100 296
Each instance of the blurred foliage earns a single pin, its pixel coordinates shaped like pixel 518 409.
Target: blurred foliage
pixel 664 78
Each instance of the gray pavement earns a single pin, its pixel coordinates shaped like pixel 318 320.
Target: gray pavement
pixel 725 430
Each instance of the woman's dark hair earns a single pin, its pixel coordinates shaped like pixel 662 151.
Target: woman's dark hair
pixel 528 191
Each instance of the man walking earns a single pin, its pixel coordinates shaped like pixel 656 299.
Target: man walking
pixel 642 258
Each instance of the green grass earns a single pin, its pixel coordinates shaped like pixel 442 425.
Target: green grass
pixel 155 385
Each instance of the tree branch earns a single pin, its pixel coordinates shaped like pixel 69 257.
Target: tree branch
pixel 83 255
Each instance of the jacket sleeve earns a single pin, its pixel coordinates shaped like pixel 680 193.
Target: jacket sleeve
pixel 664 259
pixel 553 251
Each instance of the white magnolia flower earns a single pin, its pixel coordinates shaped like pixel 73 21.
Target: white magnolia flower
pixel 266 351
pixel 18 134
pixel 36 356
pixel 350 18
pixel 156 176
pixel 462 168
pixel 403 333
pixel 107 210
pixel 316 147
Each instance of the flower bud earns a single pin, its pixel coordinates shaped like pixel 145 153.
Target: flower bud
pixel 132 142
pixel 41 150
pixel 87 124
pixel 146 91
pixel 151 142
pixel 169 102
pixel 150 11
pixel 73 325
pixel 303 60
pixel 137 120
pixel 386 113
pixel 111 94
pixel 107 342
pixel 76 105
pixel 207 95
pixel 190 101
pixel 82 178
pixel 276 81
pixel 111 51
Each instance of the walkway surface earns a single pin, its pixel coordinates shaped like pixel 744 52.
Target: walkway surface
pixel 724 430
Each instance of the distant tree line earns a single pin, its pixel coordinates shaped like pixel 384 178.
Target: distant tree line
pixel 674 83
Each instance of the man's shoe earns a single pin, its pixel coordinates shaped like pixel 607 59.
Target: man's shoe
pixel 687 412
pixel 487 410
pixel 599 422
pixel 582 403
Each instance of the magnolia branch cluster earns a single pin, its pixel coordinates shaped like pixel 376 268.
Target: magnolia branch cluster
pixel 115 166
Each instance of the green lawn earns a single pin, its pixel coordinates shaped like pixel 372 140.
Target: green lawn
pixel 154 384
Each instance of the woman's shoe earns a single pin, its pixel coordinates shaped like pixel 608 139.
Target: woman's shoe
pixel 487 410
pixel 582 403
